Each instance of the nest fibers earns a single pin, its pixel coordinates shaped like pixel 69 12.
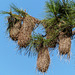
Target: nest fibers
pixel 64 44
pixel 25 31
pixel 43 60
pixel 14 31
pixel 14 28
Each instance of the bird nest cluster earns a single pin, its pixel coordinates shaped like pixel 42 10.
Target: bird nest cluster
pixel 58 33
pixel 20 26
pixel 22 32
pixel 58 26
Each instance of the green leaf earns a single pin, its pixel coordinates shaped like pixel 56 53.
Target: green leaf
pixel 19 11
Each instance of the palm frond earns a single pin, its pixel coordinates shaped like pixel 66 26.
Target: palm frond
pixel 19 11
pixel 4 12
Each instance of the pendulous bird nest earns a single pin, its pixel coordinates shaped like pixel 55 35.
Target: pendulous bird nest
pixel 26 30
pixel 14 31
pixel 14 27
pixel 65 40
pixel 64 44
pixel 43 60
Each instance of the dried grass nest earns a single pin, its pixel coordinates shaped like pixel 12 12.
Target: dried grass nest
pixel 65 39
pixel 64 44
pixel 43 60
pixel 14 31
pixel 14 27
pixel 25 31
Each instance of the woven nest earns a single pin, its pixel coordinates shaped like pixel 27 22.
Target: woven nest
pixel 43 60
pixel 25 31
pixel 14 31
pixel 34 20
pixel 64 44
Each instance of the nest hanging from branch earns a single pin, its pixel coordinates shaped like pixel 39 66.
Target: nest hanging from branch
pixel 64 44
pixel 14 27
pixel 65 39
pixel 26 30
pixel 14 31
pixel 43 60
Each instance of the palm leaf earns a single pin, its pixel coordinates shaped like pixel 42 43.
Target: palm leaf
pixel 19 11
pixel 4 12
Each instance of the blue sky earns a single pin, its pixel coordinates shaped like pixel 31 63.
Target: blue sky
pixel 12 63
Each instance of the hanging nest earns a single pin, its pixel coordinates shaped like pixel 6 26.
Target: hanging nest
pixel 12 20
pixel 34 20
pixel 26 30
pixel 64 44
pixel 14 27
pixel 14 31
pixel 65 39
pixel 43 60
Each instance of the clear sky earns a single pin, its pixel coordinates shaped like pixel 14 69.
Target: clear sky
pixel 12 63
